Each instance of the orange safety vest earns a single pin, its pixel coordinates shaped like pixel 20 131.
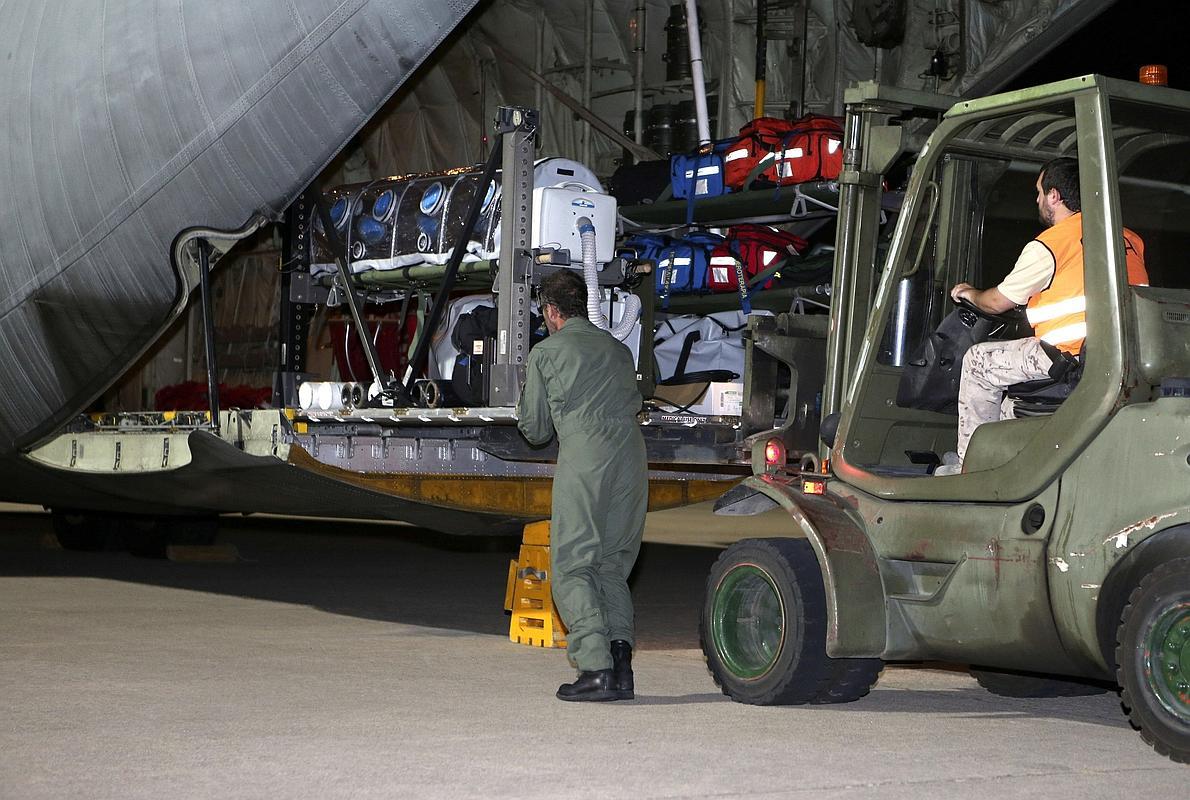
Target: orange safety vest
pixel 1058 312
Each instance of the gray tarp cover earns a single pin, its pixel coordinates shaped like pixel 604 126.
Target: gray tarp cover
pixel 124 123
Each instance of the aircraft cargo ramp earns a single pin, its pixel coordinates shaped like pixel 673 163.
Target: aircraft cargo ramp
pixel 127 125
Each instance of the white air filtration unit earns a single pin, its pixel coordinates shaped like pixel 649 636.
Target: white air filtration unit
pixel 556 209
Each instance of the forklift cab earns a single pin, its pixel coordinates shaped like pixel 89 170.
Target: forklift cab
pixel 969 210
pixel 1063 549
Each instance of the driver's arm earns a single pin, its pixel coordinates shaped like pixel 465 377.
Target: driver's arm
pixel 991 301
pixel 1033 271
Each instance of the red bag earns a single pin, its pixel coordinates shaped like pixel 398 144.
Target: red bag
pixel 807 149
pixel 749 251
pixel 759 138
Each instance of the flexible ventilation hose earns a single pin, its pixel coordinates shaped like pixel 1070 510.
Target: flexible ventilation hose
pixel 591 277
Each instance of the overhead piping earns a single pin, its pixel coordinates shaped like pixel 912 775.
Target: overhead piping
pixel 696 76
pixel 638 92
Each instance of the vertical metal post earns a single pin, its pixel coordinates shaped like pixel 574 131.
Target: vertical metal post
pixel 588 55
pixel 539 61
pixel 638 89
pixel 208 330
pixel 519 127
pixel 762 52
pixel 295 315
pixel 858 229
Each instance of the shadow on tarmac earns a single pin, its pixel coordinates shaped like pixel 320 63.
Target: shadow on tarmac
pixel 973 703
pixel 379 571
pixel 394 573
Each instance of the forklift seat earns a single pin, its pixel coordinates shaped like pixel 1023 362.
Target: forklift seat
pixel 1042 397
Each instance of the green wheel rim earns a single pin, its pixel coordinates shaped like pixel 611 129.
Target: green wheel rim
pixel 748 621
pixel 1167 660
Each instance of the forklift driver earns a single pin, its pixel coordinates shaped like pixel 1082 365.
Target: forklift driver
pixel 1048 278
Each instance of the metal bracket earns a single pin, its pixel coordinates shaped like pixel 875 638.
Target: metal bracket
pixel 512 119
pixel 208 334
pixel 354 305
pixel 518 127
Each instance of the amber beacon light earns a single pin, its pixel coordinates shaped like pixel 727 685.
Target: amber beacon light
pixel 1154 75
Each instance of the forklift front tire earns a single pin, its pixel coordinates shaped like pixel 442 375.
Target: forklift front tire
pixel 763 629
pixel 1153 658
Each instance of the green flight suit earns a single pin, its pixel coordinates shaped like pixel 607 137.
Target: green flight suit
pixel 581 382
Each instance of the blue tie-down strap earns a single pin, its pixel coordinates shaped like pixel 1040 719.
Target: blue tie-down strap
pixel 666 268
pixel 742 282
pixel 701 244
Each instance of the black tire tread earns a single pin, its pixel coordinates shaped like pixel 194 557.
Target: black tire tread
pixel 1136 711
pixel 818 679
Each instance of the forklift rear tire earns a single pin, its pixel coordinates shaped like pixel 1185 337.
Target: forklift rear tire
pixel 763 629
pixel 1153 658
pixel 1007 683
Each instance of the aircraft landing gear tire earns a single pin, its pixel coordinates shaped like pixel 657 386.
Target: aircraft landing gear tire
pixel 76 530
pixel 150 537
pixel 1006 683
pixel 763 629
pixel 1153 658
pixel 144 536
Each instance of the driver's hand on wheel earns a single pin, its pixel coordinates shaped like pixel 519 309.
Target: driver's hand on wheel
pixel 956 294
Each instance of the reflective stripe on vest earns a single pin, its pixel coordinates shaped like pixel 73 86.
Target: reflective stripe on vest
pixel 1062 308
pixel 1066 335
pixel 1057 313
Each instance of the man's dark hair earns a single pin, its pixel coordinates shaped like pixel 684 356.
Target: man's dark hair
pixel 565 291
pixel 1062 174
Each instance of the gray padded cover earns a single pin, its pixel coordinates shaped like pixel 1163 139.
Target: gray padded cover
pixel 125 122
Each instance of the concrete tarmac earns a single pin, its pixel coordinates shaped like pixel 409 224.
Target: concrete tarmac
pixel 356 660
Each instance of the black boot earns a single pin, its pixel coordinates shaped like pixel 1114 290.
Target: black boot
pixel 622 669
pixel 596 686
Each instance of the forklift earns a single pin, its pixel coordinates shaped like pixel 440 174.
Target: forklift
pixel 1058 561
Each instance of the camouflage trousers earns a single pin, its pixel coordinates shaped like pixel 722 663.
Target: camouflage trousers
pixel 988 369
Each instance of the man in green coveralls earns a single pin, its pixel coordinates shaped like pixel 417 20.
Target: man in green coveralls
pixel 581 382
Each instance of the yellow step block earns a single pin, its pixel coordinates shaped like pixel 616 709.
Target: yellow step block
pixel 535 622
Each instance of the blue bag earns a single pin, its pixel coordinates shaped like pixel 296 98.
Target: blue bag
pixel 683 264
pixel 643 245
pixel 696 176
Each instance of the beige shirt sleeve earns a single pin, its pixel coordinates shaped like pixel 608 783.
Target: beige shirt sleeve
pixel 1034 271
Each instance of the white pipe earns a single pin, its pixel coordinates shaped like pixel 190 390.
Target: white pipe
pixel 306 395
pixel 320 396
pixel 628 320
pixel 594 295
pixel 700 88
pixel 586 232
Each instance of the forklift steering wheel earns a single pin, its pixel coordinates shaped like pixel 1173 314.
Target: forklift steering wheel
pixel 969 313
